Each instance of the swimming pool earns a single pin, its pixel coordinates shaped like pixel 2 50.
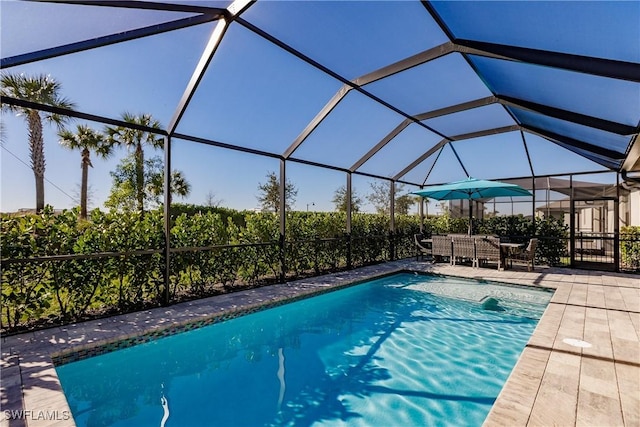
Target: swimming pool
pixel 405 350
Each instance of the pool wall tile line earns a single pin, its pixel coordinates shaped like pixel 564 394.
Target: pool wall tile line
pixel 29 379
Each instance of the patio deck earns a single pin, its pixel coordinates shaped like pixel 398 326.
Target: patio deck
pixel 553 383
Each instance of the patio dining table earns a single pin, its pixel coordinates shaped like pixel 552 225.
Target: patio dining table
pixel 511 246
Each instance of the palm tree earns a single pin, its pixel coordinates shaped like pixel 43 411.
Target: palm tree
pixel 178 185
pixel 44 90
pixel 85 139
pixel 135 139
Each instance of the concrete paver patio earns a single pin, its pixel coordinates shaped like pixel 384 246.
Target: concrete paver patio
pixel 553 383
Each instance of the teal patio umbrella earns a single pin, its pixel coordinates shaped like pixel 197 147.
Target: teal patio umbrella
pixel 472 189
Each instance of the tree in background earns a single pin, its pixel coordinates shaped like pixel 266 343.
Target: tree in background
pixel 136 139
pixel 404 202
pixel 340 200
pixel 91 195
pixel 212 201
pixel 44 90
pixel 125 195
pixel 269 197
pixel 380 198
pixel 86 140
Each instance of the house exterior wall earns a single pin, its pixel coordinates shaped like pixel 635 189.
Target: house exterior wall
pixel 634 207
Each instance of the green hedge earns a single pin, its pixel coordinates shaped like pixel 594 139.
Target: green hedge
pixel 630 247
pixel 68 289
pixel 232 249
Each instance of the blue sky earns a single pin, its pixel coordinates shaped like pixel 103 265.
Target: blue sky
pixel 257 95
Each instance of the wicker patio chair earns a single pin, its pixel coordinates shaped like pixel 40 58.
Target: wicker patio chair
pixel 441 248
pixel 488 250
pixel 463 249
pixel 422 249
pixel 527 256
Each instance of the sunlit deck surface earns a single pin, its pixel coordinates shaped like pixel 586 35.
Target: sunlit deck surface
pixel 553 383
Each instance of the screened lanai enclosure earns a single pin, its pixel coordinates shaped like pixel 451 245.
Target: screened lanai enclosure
pixel 326 101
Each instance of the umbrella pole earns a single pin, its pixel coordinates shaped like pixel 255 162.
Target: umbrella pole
pixel 470 217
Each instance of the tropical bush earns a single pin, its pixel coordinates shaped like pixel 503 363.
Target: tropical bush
pixel 630 247
pixel 553 236
pixel 515 226
pixel 237 217
pixel 109 268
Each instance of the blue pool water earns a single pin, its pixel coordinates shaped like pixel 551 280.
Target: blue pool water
pixel 405 350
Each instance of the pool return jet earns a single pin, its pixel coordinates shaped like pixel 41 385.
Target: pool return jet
pixel 491 303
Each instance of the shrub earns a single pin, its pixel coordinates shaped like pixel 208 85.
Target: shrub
pixel 630 247
pixel 26 293
pixel 552 243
